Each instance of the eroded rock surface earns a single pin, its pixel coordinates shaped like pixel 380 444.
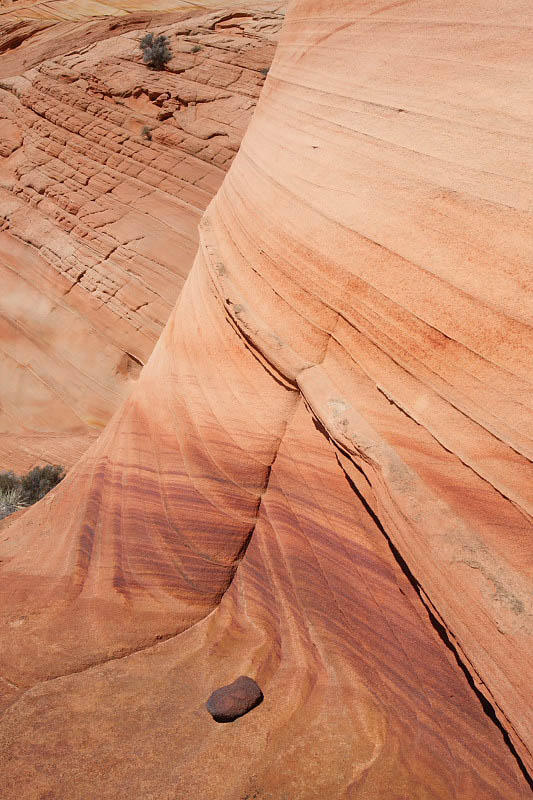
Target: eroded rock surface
pixel 105 169
pixel 323 476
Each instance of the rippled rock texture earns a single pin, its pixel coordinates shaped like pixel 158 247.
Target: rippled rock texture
pixel 323 475
pixel 105 169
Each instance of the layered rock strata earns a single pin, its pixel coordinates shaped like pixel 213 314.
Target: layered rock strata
pixel 323 475
pixel 106 169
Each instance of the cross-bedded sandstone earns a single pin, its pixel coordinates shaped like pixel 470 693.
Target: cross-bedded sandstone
pixel 323 476
pixel 105 170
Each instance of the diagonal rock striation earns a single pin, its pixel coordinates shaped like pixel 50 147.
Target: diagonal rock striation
pixel 323 476
pixel 106 167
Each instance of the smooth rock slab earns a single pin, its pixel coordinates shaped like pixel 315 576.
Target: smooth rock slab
pixel 232 701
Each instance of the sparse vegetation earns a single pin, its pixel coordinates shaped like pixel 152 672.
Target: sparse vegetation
pixel 146 133
pixel 264 71
pixel 17 491
pixel 156 50
pixel 38 482
pixel 196 48
pixel 10 493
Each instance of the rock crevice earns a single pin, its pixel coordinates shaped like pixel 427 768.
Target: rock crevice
pixel 321 477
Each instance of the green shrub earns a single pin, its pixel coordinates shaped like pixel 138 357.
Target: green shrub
pixel 156 50
pixel 8 482
pixel 264 71
pixel 196 48
pixel 146 133
pixel 10 493
pixel 17 491
pixel 39 481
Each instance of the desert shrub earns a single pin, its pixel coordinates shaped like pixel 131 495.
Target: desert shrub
pixel 146 133
pixel 264 71
pixel 196 48
pixel 8 482
pixel 9 502
pixel 156 50
pixel 10 493
pixel 38 482
pixel 17 491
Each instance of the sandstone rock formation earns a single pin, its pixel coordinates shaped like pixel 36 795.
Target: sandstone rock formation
pixel 323 475
pixel 105 170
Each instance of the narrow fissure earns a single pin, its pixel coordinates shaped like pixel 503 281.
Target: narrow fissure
pixel 486 705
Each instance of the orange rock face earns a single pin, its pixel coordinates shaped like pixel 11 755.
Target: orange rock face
pixel 322 477
pixel 106 169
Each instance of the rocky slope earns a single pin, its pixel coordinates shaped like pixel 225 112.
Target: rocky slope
pixel 105 169
pixel 322 478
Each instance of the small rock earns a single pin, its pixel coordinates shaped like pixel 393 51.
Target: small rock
pixel 230 702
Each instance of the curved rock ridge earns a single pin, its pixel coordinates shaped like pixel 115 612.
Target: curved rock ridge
pixel 106 169
pixel 323 475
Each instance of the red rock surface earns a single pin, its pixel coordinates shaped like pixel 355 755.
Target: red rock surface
pixel 323 475
pixel 98 222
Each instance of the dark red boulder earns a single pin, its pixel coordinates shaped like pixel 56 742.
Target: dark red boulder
pixel 230 702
